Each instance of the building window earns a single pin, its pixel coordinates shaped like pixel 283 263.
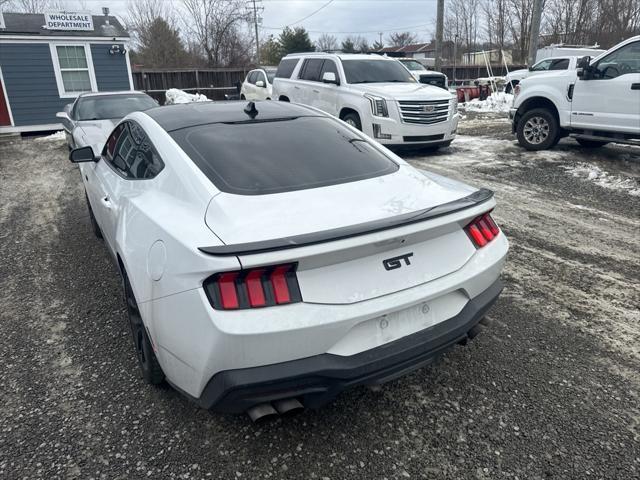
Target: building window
pixel 74 69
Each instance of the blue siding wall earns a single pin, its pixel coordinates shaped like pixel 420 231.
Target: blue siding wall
pixel 111 70
pixel 30 83
pixel 30 80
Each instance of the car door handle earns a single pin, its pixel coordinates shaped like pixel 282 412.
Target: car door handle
pixel 106 202
pixel 296 87
pixel 635 86
pixel 316 91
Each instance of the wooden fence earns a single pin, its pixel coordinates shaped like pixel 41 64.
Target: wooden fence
pixel 218 82
pixel 471 72
pixel 214 83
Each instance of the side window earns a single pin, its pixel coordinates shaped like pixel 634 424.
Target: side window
pixel 543 65
pixel 252 78
pixel 125 153
pixel 260 76
pixel 311 69
pixel 329 66
pixel 622 61
pixel 559 64
pixel 286 67
pixel 145 162
pixel 112 141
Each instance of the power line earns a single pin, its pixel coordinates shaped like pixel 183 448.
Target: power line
pixel 302 19
pixel 361 31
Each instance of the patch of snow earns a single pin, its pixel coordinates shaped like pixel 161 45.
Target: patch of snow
pixel 54 137
pixel 175 95
pixel 497 102
pixel 604 179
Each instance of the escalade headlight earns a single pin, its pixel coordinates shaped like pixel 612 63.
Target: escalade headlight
pixel 378 106
pixel 454 105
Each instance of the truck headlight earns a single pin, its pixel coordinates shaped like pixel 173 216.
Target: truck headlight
pixel 454 105
pixel 378 106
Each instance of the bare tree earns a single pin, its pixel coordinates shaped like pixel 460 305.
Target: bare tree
pixel 402 39
pixel 326 43
pixel 215 26
pixel 33 6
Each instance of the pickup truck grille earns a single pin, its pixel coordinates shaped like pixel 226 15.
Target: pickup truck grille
pixel 424 112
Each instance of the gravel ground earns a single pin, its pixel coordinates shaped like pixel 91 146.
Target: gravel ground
pixel 550 391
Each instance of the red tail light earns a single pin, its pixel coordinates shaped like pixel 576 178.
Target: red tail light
pixel 482 230
pixel 254 288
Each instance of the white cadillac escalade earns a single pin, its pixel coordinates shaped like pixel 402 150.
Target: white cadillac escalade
pixel 372 93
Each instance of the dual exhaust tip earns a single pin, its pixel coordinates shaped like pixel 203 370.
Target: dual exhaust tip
pixel 278 407
pixel 290 405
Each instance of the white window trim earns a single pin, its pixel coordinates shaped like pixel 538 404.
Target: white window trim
pixel 58 73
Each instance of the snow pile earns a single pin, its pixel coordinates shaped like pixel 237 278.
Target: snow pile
pixel 54 137
pixel 604 179
pixel 499 102
pixel 174 95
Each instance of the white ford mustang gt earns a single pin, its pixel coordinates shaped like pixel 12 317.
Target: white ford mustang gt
pixel 273 256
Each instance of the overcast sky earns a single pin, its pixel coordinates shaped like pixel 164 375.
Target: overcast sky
pixel 370 16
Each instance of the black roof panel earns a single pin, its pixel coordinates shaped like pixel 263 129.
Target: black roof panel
pixel 174 117
pixel 31 24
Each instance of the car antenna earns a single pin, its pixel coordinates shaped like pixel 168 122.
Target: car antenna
pixel 251 110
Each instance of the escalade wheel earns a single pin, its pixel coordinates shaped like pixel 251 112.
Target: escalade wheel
pixel 590 143
pixel 149 366
pixel 353 119
pixel 538 130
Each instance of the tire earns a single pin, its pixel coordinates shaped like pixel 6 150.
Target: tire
pixel 94 224
pixel 586 143
pixel 283 99
pixel 508 88
pixel 353 119
pixel 147 361
pixel 242 97
pixel 538 129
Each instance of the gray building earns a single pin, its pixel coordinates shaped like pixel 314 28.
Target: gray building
pixel 48 59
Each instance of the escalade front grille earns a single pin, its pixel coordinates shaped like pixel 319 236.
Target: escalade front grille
pixel 424 112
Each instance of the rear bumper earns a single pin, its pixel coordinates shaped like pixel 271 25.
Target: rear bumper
pixel 318 379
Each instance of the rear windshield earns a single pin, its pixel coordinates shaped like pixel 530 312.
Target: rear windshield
pixel 257 158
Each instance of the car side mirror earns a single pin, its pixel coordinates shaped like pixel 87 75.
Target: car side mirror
pixel 83 154
pixel 260 84
pixel 330 77
pixel 63 116
pixel 530 68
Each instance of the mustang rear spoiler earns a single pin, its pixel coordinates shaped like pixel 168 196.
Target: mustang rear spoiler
pixel 295 241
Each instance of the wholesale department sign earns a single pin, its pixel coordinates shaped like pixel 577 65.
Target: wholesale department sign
pixel 68 21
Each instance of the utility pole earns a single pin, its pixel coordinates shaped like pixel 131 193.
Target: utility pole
pixel 255 25
pixel 535 31
pixel 439 33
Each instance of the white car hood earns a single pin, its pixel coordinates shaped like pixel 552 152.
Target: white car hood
pixel 95 132
pixel 402 91
pixel 250 218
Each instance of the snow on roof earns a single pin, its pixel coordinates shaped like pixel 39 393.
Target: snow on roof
pixel 31 24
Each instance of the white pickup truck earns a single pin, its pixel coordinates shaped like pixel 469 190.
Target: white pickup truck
pixel 598 103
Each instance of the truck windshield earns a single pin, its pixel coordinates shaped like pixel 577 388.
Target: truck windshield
pixel 413 65
pixel 375 71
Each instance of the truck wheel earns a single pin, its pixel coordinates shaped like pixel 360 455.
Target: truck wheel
pixel 353 119
pixel 590 143
pixel 538 130
pixel 508 88
pixel 149 366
